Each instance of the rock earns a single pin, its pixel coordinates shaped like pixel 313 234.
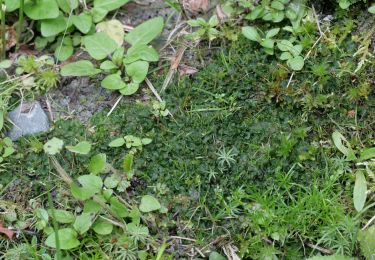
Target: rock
pixel 28 118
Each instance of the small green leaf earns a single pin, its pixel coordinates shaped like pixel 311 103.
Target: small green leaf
pixel 5 64
pixel 117 142
pixel 344 4
pixel 149 203
pixel 367 154
pixel 360 191
pixel 97 163
pixel 98 14
pixel 118 55
pixel 111 182
pixel 90 185
pixel 67 238
pixel 53 146
pixel 291 14
pixel 83 147
pixel 145 32
pixel 366 240
pixel 286 56
pixel 127 164
pixel 114 29
pixel 277 16
pixel 107 65
pixel 251 33
pixel 137 71
pixel 52 27
pixel 82 22
pixel 372 9
pixel 82 223
pixel 118 207
pixel 338 140
pixel 102 227
pixel 63 52
pixel 214 21
pixel 141 52
pixel 272 32
pixel 146 141
pixel 296 63
pixel 296 50
pixel 285 45
pixel 99 45
pixel 12 5
pixel 62 216
pixel 257 12
pixel 79 69
pixel 109 5
pixel 91 207
pixel 113 82
pixel 268 43
pixel 67 5
pixel 277 5
pixel 41 9
pixel 130 89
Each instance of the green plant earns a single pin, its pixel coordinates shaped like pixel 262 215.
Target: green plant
pixel 205 28
pixel 364 165
pixel 159 109
pixel 61 17
pixel 130 141
pixel 43 75
pixel 345 4
pixel 102 212
pixel 125 72
pixel 276 12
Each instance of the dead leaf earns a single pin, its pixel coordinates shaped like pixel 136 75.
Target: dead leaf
pixel 195 6
pixel 187 70
pixel 10 37
pixel 9 233
pixel 114 29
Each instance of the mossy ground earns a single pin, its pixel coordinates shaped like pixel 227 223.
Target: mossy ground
pixel 245 159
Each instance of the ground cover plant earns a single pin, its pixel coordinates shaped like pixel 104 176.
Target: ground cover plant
pixel 261 146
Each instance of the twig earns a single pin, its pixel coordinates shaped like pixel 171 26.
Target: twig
pixel 290 79
pixel 183 238
pixel 174 65
pixel 319 248
pixel 153 90
pixel 317 20
pixel 49 109
pixel 369 223
pixel 115 105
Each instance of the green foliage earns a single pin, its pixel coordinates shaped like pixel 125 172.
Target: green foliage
pixel 148 204
pixel 360 186
pixel 276 12
pixel 366 239
pixel 83 147
pixel 125 71
pixel 205 29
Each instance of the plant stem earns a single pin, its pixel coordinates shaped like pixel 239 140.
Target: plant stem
pixel 3 43
pixel 20 22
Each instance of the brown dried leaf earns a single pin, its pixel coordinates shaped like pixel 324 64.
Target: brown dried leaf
pixel 195 6
pixel 11 37
pixel 187 70
pixel 9 233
